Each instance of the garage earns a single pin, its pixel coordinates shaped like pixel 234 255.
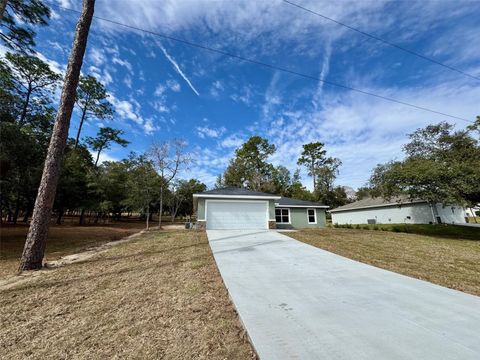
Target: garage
pixel 236 214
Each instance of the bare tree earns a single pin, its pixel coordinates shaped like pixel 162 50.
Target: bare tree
pixel 168 158
pixel 34 249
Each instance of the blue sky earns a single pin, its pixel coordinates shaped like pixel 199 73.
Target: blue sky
pixel 162 90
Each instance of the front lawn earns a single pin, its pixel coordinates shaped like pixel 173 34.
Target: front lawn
pixel 444 258
pixel 158 296
pixel 62 240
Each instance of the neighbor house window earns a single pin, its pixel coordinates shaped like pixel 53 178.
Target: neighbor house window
pixel 282 216
pixel 312 218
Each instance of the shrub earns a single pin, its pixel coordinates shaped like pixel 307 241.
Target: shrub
pixel 358 227
pixel 366 227
pixel 375 227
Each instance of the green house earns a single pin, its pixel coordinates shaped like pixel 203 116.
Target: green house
pixel 238 208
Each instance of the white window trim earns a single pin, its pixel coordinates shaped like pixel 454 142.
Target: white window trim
pixel 289 218
pixel 314 214
pixel 241 201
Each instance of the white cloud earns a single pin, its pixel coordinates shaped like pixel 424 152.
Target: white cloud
pixel 127 109
pixel 124 63
pixel 104 156
pixel 149 126
pixel 173 85
pixel 96 56
pixel 216 88
pixel 232 141
pixel 208 132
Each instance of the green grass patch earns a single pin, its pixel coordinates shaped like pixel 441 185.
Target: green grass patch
pixel 437 230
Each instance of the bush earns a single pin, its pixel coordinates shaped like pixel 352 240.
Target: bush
pixel 358 227
pixel 336 225
pixel 375 227
pixel 397 228
pixel 366 227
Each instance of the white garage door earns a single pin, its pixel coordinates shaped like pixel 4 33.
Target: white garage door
pixel 236 214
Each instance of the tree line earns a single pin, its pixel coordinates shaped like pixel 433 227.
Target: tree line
pixel 86 186
pixel 251 169
pixel 441 165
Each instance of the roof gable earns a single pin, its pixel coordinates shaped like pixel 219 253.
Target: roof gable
pixel 376 202
pixel 285 201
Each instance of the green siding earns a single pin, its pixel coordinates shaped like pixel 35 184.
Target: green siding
pixel 201 209
pixel 271 210
pixel 299 220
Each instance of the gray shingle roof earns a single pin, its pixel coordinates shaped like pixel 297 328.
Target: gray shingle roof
pixel 284 201
pixel 234 191
pixel 375 202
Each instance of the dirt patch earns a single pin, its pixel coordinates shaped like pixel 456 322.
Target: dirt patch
pixel 450 262
pixel 62 240
pixel 157 296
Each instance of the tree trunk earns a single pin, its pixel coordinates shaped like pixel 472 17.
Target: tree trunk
pixel 84 112
pixel 34 249
pixel 17 210
pixel 82 218
pixel 3 5
pixel 25 106
pixel 314 177
pixel 98 156
pixel 148 216
pixel 59 217
pixel 161 208
pixel 26 215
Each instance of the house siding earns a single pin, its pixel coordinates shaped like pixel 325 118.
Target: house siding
pixel 417 213
pixel 299 219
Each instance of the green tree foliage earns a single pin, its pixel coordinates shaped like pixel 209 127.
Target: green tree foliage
pixel 312 157
pixel 92 99
pixel 104 139
pixel 186 189
pixel 73 188
pixel 324 171
pixel 143 183
pixel 32 81
pixel 441 165
pixel 364 192
pixel 296 189
pixel 249 167
pixel 16 24
pixel 21 158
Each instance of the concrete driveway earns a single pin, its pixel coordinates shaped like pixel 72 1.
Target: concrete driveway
pixel 300 302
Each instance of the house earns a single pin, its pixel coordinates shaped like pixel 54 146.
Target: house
pixel 237 208
pixel 399 210
pixel 472 212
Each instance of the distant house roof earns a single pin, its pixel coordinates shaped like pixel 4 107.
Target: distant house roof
pixel 288 202
pixel 376 202
pixel 235 192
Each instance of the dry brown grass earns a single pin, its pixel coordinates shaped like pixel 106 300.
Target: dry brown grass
pixel 454 263
pixel 62 240
pixel 157 296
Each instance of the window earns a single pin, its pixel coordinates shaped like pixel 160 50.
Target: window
pixel 282 216
pixel 312 218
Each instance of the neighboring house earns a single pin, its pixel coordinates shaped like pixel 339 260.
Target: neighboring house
pixel 396 211
pixel 472 212
pixel 237 208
